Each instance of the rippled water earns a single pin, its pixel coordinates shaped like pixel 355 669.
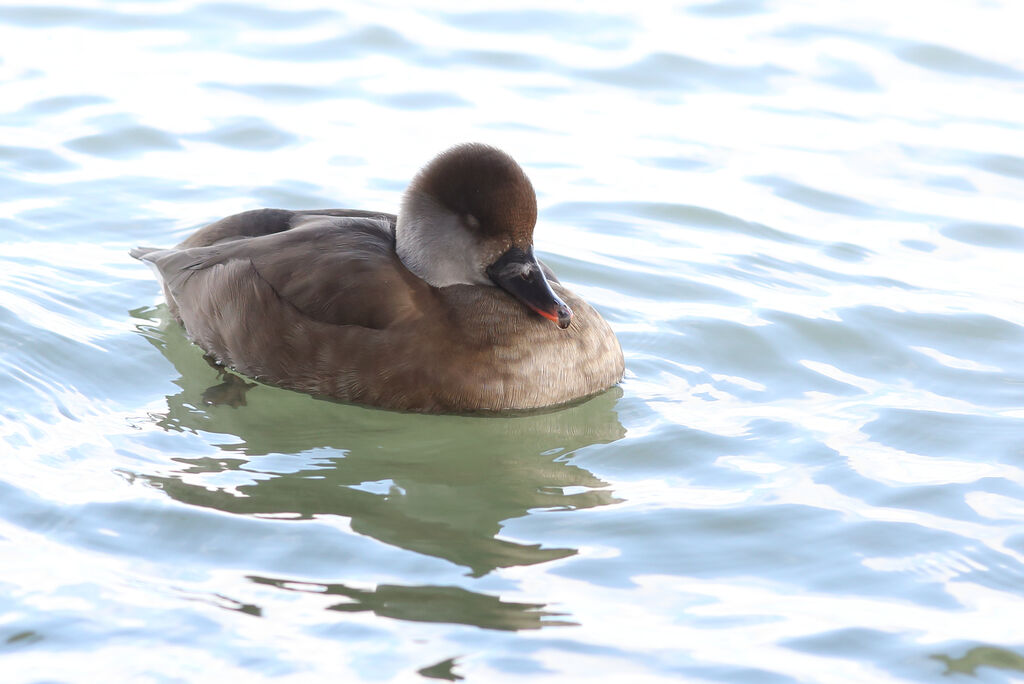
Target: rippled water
pixel 802 219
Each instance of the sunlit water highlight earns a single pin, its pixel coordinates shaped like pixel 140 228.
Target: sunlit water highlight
pixel 802 219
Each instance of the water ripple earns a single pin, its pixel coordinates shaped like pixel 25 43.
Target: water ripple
pixel 125 142
pixel 949 61
pixel 802 221
pixel 33 159
pixel 670 72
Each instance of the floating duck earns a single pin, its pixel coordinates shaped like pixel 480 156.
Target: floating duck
pixel 442 308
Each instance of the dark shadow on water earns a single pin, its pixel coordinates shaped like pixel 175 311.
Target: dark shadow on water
pixel 981 656
pixel 441 486
pixel 442 670
pixel 450 605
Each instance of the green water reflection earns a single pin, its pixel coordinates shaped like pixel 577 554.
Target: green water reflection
pixel 982 656
pixel 452 605
pixel 437 485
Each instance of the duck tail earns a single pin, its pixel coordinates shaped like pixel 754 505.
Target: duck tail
pixel 141 252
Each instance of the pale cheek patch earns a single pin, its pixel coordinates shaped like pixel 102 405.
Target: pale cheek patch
pixel 434 244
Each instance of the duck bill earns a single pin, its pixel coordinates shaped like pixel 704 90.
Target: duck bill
pixel 518 273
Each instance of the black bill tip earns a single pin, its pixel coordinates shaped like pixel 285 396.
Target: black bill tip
pixel 518 273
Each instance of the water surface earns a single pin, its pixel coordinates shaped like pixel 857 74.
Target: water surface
pixel 802 220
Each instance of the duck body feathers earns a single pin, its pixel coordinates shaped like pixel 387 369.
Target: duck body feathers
pixel 319 302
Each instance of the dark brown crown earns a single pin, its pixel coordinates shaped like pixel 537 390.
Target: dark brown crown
pixel 482 182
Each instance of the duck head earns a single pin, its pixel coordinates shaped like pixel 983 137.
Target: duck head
pixel 467 218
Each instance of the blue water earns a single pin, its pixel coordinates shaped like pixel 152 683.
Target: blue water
pixel 803 220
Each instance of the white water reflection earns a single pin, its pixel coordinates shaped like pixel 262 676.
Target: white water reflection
pixel 802 219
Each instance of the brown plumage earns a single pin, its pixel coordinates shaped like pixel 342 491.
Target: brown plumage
pixel 485 183
pixel 320 301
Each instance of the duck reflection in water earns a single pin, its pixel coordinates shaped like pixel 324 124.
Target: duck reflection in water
pixel 442 486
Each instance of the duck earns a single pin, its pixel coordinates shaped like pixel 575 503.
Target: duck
pixel 442 308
